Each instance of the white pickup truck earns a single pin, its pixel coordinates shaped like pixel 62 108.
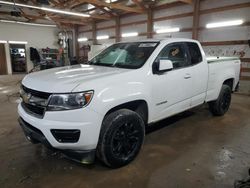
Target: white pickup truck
pixel 101 108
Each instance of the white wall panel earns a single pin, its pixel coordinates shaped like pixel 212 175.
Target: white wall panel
pixel 86 27
pixel 85 34
pixel 141 28
pixel 133 38
pixel 243 13
pixel 174 35
pixel 110 32
pixel 105 23
pixel 37 37
pixel 220 34
pixel 106 42
pixel 134 18
pixel 180 22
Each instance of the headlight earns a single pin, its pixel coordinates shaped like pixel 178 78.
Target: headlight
pixel 69 101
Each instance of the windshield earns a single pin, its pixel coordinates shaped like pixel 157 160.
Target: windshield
pixel 125 55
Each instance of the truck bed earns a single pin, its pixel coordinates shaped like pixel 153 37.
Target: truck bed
pixel 221 68
pixel 214 59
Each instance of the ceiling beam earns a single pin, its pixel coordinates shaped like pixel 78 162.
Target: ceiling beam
pixel 110 13
pixel 25 15
pixel 101 17
pixel 60 20
pixel 70 21
pixel 118 6
pixel 150 23
pixel 94 33
pixel 117 29
pixel 33 17
pixel 55 3
pixel 196 19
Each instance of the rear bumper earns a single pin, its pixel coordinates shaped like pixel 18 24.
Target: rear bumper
pixel 34 135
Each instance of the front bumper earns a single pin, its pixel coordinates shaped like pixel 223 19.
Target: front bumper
pixel 39 130
pixel 36 136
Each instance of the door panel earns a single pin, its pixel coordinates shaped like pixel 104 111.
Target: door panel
pixel 199 87
pixel 3 63
pixel 199 73
pixel 172 91
pixel 18 58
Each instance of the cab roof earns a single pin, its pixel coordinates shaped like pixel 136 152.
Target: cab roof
pixel 163 40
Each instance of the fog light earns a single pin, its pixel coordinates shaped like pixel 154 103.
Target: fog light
pixel 66 136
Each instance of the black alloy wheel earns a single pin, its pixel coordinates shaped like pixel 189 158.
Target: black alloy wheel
pixel 121 137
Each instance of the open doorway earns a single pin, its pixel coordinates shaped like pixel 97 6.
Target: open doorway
pixel 3 63
pixel 18 58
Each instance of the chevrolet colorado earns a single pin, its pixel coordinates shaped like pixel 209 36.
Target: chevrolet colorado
pixel 101 108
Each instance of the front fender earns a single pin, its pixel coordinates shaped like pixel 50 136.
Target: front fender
pixel 117 94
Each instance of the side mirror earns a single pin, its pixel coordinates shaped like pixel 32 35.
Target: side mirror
pixel 165 65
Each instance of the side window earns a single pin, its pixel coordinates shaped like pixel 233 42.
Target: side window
pixel 195 53
pixel 176 53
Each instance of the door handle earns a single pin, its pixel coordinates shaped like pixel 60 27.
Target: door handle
pixel 187 76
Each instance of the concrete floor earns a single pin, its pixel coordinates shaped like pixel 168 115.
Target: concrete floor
pixel 193 149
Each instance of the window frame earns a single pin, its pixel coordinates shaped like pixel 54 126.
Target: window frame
pixel 131 67
pixel 183 45
pixel 189 54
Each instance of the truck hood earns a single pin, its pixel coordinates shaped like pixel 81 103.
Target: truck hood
pixel 65 79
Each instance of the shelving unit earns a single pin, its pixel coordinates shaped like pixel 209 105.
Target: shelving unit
pixel 51 54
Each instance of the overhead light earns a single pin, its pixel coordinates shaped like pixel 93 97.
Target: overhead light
pixel 224 24
pixel 106 8
pixel 134 34
pixel 168 30
pixel 8 21
pixel 3 41
pixel 18 42
pixel 7 2
pixel 102 37
pixel 90 6
pixel 27 23
pixel 64 12
pixel 82 39
pixel 35 24
pixel 46 9
pixel 110 1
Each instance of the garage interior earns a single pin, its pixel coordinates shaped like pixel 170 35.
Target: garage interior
pixel 191 149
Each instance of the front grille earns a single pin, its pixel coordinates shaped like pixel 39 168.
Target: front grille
pixel 34 108
pixel 40 94
pixel 37 111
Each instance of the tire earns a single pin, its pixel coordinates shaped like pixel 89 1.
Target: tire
pixel 121 137
pixel 221 105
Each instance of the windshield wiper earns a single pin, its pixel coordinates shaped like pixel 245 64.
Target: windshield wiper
pixel 118 65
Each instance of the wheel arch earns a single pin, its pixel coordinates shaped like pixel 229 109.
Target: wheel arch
pixel 139 106
pixel 229 82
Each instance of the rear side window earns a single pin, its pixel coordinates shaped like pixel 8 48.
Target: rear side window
pixel 195 53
